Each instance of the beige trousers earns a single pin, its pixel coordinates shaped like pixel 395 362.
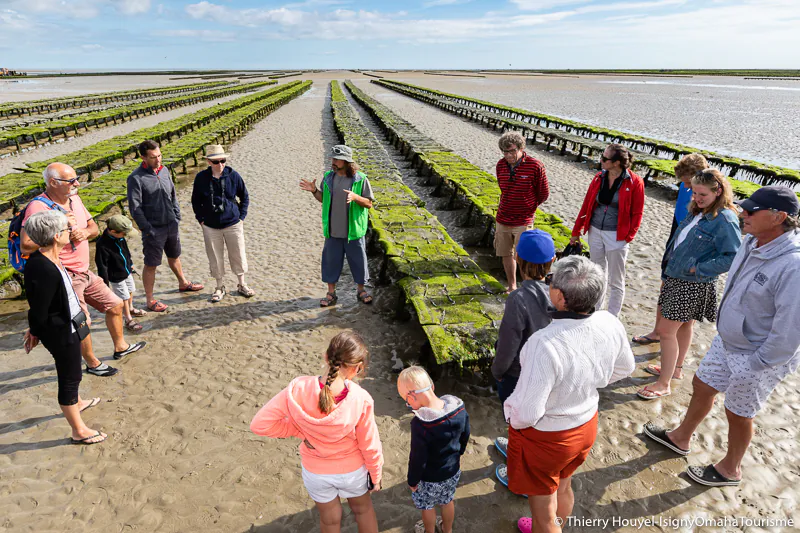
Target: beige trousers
pixel 216 241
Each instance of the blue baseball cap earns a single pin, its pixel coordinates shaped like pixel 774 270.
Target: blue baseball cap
pixel 536 246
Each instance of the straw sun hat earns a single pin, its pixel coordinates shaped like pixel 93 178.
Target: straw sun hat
pixel 216 151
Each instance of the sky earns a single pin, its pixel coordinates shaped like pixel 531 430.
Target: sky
pixel 412 34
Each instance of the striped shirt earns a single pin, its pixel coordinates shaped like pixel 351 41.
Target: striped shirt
pixel 521 193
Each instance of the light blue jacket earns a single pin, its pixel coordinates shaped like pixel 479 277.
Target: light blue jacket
pixel 709 247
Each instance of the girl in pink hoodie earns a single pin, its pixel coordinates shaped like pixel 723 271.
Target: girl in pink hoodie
pixel 341 452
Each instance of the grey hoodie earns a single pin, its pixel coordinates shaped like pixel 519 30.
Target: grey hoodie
pixel 760 309
pixel 152 199
pixel 527 311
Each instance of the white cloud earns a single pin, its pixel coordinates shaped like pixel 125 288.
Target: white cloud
pixel 91 47
pixel 11 21
pixel 435 3
pixel 209 36
pixel 542 5
pixel 132 7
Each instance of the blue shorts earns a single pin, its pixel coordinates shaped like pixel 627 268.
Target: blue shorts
pixel 432 493
pixel 333 255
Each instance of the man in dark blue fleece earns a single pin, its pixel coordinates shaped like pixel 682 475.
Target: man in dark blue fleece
pixel 439 436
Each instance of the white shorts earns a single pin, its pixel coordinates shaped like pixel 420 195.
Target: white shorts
pixel 746 390
pixel 324 488
pixel 125 288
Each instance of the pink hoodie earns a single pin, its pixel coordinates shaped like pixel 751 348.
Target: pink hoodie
pixel 342 441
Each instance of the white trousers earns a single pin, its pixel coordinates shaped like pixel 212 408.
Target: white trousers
pixel 216 241
pixel 610 254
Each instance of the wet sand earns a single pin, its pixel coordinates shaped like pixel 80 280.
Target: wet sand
pixel 180 456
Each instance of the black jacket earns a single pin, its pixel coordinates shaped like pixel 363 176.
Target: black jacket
pixel 437 443
pixel 235 203
pixel 113 259
pixel 49 316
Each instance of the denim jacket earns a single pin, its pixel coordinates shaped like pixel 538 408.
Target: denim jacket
pixel 709 247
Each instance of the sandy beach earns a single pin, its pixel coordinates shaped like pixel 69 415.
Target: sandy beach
pixel 180 456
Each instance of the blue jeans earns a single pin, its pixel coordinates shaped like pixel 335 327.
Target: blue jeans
pixel 506 387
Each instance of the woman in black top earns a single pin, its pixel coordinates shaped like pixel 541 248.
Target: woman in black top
pixel 55 318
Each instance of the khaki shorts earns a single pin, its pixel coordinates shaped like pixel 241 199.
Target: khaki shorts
pixel 506 239
pixel 92 290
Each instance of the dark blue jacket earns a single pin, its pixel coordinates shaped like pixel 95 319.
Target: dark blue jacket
pixel 236 199
pixel 437 444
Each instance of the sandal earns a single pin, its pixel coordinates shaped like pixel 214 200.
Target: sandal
pixel 191 287
pixel 246 291
pixel 157 307
pixel 656 370
pixel 92 403
pixel 644 340
pixel 501 444
pixel 133 325
pixel 659 435
pixel 710 477
pixel 647 394
pixel 501 472
pixel 218 295
pixel 364 297
pixel 138 313
pixel 329 300
pixel 87 439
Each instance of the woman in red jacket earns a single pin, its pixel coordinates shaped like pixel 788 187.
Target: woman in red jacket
pixel 611 215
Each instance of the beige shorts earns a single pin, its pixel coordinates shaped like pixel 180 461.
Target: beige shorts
pixel 506 239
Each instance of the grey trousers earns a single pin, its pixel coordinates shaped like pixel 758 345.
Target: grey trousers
pixel 610 254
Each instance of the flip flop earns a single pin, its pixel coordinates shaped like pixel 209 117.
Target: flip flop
pixel 191 287
pixel 647 394
pixel 157 307
pixel 87 439
pixel 501 444
pixel 644 340
pixel 710 477
pixel 91 404
pixel 655 370
pixel 659 435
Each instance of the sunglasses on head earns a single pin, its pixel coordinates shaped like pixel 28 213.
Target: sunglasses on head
pixel 338 151
pixel 217 161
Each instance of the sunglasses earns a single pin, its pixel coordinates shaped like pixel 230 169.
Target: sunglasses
pixel 70 181
pixel 419 391
pixel 605 159
pixel 217 161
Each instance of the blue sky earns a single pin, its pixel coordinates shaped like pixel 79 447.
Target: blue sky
pixel 211 34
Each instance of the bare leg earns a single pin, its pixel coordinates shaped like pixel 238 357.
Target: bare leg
pixel 669 354
pixel 429 520
pixel 740 433
pixel 332 288
pixel 177 269
pixel 364 513
pixel 79 429
pixel 149 281
pixel 543 512
pixel 448 516
pixel 126 310
pixel 700 405
pixel 330 516
pixel 565 499
pixel 114 325
pixel 685 333
pixel 87 352
pixel 654 334
pixel 510 266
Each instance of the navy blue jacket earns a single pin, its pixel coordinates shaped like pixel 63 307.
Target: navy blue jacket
pixel 112 257
pixel 236 199
pixel 438 444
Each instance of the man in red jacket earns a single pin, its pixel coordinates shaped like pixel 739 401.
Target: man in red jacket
pixel 523 188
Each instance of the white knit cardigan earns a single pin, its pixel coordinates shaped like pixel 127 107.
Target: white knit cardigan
pixel 563 365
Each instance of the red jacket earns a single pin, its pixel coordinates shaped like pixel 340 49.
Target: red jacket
pixel 631 207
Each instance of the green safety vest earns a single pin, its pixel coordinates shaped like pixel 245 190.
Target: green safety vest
pixel 358 217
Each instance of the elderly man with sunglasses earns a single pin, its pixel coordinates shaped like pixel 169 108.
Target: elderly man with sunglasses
pixel 523 188
pixel 153 202
pixel 220 201
pixel 758 339
pixel 61 187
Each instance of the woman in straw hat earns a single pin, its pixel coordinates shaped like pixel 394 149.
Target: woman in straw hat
pixel 220 201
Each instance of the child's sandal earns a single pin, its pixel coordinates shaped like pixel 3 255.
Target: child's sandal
pixel 138 312
pixel 133 326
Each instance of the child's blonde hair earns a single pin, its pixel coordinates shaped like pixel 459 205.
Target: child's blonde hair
pixel 416 377
pixel 345 349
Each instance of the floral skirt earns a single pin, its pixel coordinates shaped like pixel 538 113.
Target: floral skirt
pixel 683 301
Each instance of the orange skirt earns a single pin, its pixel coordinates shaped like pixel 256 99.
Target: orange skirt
pixel 538 460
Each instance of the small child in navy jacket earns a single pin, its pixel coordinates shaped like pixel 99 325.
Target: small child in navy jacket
pixel 115 266
pixel 439 436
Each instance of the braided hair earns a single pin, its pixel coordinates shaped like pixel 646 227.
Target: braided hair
pixel 347 349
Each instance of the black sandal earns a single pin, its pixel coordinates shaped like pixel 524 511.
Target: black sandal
pixel 364 297
pixel 710 477
pixel 329 300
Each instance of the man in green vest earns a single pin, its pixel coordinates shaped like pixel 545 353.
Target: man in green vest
pixel 346 198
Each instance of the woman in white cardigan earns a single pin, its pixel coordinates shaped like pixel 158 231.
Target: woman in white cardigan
pixel 552 413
